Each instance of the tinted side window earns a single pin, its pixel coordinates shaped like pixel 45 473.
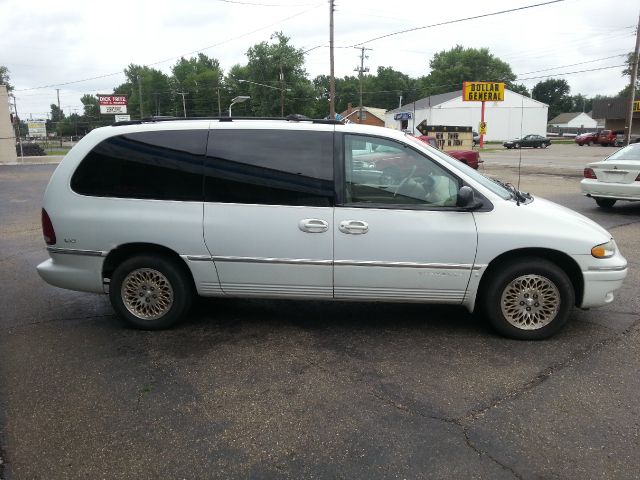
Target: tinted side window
pixel 163 165
pixel 272 167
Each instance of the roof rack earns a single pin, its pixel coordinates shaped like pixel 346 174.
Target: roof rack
pixel 290 118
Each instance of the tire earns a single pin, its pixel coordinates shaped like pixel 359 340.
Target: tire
pixel 517 145
pixel 518 286
pixel 509 148
pixel 543 145
pixel 580 144
pixel 150 292
pixel 605 202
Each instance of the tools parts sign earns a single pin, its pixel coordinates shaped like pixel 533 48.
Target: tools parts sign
pixel 112 104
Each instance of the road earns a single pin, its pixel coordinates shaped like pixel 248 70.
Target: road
pixel 287 389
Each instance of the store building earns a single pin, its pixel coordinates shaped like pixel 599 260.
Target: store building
pixel 517 115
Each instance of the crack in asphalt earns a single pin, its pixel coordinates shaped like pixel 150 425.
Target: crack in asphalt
pixel 465 422
pixel 549 371
pixel 451 421
pixel 624 225
pixel 405 409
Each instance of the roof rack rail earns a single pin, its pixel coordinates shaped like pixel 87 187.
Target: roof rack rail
pixel 290 118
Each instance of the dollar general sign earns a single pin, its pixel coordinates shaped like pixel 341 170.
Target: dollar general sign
pixel 483 92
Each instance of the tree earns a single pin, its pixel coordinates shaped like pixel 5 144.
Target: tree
pixel 450 68
pixel 555 93
pixel 519 88
pixel 201 78
pixel 156 95
pixel 4 77
pixel 54 124
pixel 627 73
pixel 279 66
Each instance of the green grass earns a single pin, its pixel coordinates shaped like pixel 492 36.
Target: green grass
pixel 64 151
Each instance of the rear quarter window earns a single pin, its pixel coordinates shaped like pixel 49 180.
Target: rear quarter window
pixel 162 165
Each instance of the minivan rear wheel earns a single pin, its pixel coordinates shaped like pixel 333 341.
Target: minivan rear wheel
pixel 150 293
pixel 528 299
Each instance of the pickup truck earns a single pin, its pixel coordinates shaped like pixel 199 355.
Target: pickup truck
pixel 469 157
pixel 607 137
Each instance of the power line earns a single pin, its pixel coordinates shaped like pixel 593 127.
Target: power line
pixel 237 2
pixel 449 22
pixel 175 57
pixel 571 73
pixel 574 64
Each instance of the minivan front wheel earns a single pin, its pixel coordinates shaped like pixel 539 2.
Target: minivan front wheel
pixel 529 299
pixel 150 293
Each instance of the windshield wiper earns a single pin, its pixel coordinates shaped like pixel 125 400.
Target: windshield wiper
pixel 517 195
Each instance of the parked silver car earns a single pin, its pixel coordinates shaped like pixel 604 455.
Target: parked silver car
pixel 617 177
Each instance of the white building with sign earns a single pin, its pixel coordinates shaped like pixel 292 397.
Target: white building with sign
pixel 517 115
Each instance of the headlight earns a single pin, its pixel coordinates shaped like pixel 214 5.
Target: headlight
pixel 604 250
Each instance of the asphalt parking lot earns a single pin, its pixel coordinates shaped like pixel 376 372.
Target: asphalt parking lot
pixel 283 389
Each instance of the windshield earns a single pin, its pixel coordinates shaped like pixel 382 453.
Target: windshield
pixel 630 152
pixel 478 177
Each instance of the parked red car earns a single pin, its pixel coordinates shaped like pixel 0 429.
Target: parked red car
pixel 607 138
pixel 587 138
pixel 469 157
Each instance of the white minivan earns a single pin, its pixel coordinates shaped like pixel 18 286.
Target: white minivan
pixel 152 212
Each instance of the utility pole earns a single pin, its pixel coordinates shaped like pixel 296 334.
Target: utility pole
pixel 219 109
pixel 632 89
pixel 184 106
pixel 281 90
pixel 140 95
pixel 157 95
pixel 361 69
pixel 59 118
pixel 332 79
pixel 15 109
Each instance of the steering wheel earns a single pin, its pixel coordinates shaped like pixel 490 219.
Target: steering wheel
pixel 404 181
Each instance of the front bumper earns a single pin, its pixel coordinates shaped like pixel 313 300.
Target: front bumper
pixel 600 285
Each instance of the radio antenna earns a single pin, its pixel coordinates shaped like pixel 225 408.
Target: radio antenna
pixel 520 149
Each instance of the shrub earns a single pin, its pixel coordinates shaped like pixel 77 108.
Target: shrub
pixel 30 150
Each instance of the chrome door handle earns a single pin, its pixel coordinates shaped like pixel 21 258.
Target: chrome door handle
pixel 313 225
pixel 354 227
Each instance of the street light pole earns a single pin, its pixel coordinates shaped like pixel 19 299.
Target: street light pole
pixel 238 99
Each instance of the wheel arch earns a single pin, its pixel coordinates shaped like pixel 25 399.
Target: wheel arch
pixel 561 259
pixel 125 251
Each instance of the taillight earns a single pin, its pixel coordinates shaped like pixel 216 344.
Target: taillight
pixel 589 173
pixel 47 229
pixel 638 178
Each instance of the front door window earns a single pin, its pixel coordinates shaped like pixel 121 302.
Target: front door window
pixel 384 172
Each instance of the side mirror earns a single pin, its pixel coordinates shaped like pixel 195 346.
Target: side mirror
pixel 467 199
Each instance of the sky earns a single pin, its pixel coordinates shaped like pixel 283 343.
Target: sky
pixel 49 44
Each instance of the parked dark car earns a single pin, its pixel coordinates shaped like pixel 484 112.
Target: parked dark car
pixel 588 138
pixel 534 141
